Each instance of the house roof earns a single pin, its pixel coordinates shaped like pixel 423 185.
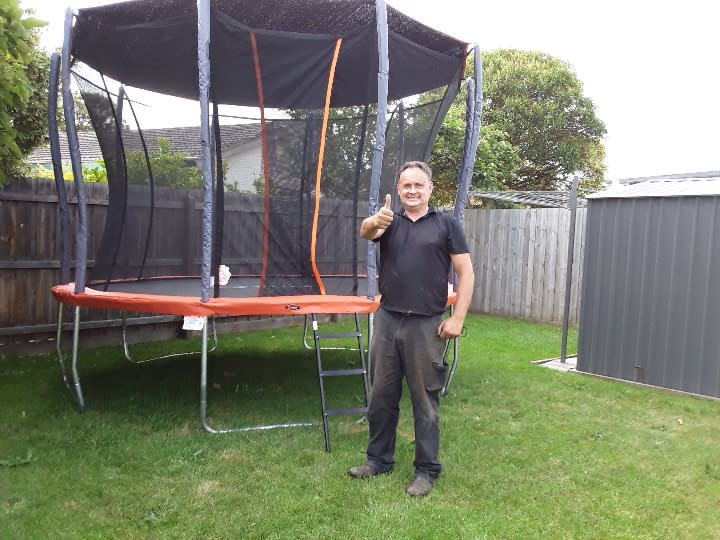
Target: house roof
pixel 89 149
pixel 673 185
pixel 182 139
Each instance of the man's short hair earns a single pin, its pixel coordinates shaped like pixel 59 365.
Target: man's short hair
pixel 417 165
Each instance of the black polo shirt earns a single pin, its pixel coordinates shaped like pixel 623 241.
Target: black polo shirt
pixel 415 262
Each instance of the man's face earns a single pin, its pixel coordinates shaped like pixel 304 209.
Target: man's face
pixel 414 189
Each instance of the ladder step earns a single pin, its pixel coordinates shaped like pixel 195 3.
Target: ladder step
pixel 349 410
pixel 342 372
pixel 340 335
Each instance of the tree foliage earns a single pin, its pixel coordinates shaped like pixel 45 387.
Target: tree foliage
pixel 23 87
pixel 82 117
pixel 169 168
pixel 496 158
pixel 538 129
pixel 538 101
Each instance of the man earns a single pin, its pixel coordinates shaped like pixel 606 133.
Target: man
pixel 417 247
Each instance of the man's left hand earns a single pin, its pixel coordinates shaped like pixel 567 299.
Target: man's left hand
pixel 450 328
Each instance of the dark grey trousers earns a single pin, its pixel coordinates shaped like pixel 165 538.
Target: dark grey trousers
pixel 409 346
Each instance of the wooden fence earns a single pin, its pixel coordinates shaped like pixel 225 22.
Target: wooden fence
pixel 519 256
pixel 520 259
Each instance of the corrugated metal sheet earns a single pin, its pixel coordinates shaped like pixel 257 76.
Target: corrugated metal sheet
pixel 698 184
pixel 545 199
pixel 650 308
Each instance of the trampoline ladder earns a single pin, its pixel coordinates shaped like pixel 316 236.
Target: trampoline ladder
pixel 325 373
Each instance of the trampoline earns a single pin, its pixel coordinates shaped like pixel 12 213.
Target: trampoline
pixel 337 94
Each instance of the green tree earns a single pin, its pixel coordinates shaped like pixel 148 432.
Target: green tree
pixel 169 168
pixel 538 101
pixel 82 117
pixel 538 129
pixel 496 158
pixel 23 87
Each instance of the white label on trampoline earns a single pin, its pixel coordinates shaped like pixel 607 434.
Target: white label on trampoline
pixel 191 322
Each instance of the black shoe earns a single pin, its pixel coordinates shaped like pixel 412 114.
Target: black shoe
pixel 420 486
pixel 365 471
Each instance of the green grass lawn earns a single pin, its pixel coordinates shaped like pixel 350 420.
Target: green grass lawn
pixel 528 452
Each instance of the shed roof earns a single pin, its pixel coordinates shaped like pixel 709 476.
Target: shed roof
pixel 673 185
pixel 544 199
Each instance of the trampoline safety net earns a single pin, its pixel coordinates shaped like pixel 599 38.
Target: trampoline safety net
pixel 291 174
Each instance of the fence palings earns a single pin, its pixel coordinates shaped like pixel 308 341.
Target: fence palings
pixel 519 255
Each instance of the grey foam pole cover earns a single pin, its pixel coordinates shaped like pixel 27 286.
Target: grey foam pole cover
pixel 81 233
pixel 204 96
pixel 64 210
pixel 472 136
pixel 382 82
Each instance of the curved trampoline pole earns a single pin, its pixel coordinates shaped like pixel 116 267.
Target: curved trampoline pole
pixel 64 217
pixel 82 229
pixel 81 239
pixel 203 11
pixel 472 136
pixel 64 211
pixel 383 76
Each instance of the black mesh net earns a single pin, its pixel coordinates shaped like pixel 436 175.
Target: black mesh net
pixel 290 192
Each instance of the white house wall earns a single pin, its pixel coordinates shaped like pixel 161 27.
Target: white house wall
pixel 244 164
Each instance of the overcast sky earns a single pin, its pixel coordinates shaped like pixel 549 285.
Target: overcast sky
pixel 650 67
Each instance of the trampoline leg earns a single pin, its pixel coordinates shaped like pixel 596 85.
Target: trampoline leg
pixel 126 345
pixel 305 333
pixel 323 405
pixel 453 367
pixel 371 322
pixel 74 388
pixel 203 381
pixel 204 397
pixel 58 341
pixel 76 376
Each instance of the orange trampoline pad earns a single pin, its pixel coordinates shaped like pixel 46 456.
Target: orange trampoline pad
pixel 128 299
pixel 190 305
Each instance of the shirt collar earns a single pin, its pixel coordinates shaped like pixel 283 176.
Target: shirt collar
pixel 431 210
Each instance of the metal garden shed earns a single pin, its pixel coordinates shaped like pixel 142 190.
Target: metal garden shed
pixel 651 295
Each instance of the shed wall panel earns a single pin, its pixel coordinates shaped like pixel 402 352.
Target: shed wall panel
pixel 650 301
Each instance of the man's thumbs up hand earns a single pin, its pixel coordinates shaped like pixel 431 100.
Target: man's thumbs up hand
pixel 384 217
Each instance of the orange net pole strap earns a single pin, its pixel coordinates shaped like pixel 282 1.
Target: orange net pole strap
pixel 266 171
pixel 323 134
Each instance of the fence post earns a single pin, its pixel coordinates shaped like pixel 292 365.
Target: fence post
pixel 572 204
